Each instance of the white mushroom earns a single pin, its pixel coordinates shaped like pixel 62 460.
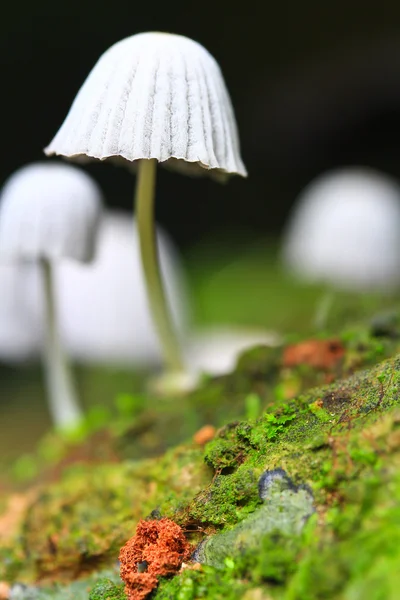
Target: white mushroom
pixel 345 231
pixel 154 97
pixel 50 212
pixel 103 310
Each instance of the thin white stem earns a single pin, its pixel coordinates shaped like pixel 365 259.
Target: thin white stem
pixel 63 402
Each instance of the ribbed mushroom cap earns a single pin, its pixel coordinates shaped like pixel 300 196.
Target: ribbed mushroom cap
pixel 49 210
pixel 345 231
pixel 154 95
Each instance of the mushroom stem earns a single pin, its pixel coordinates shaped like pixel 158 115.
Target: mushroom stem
pixel 144 202
pixel 63 402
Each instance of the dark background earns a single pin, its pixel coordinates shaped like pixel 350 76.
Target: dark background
pixel 314 85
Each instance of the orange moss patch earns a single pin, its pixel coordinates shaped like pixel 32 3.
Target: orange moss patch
pixel 157 548
pixel 318 354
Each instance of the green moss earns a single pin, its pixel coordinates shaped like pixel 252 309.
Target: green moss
pixel 210 583
pixel 106 589
pixel 354 555
pixel 267 567
pixel 227 500
pixel 326 452
pixel 360 560
pixel 81 522
pixel 235 441
pixel 342 440
pixel 225 451
pixel 284 511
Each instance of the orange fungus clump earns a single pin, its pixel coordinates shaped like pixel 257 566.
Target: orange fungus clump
pixel 157 548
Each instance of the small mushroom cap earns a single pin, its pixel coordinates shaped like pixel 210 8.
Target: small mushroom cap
pixel 49 210
pixel 154 95
pixel 345 231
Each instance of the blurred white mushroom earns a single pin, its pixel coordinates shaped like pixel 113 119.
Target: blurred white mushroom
pixel 103 308
pixel 50 212
pixel 105 317
pixel 345 231
pixel 154 97
pixel 20 338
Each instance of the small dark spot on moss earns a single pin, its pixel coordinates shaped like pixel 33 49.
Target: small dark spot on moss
pixel 335 401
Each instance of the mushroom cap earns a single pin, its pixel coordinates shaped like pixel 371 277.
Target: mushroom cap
pixel 345 231
pixel 154 95
pixel 103 311
pixel 49 210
